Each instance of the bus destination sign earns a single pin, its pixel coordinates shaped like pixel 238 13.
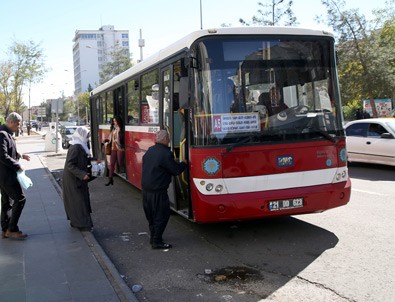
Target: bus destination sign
pixel 239 122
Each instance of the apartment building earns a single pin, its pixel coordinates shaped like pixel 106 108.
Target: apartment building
pixel 91 49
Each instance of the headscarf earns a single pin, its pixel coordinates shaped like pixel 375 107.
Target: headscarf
pixel 81 137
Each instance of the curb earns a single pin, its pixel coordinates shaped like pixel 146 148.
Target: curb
pixel 122 290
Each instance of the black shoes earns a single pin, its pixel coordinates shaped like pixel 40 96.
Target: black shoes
pixel 110 182
pixel 161 246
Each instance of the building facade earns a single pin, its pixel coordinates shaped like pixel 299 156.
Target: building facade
pixel 92 49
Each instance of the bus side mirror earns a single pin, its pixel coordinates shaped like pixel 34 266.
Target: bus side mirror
pixel 183 94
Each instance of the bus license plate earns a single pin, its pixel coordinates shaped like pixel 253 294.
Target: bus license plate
pixel 286 204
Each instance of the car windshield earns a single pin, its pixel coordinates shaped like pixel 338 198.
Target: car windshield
pixel 256 90
pixel 391 125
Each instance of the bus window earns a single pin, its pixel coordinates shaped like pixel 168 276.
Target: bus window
pixel 166 97
pixel 133 103
pixel 109 107
pixel 97 104
pixel 150 98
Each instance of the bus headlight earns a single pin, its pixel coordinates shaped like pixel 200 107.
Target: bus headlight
pixel 219 188
pixel 212 186
pixel 340 175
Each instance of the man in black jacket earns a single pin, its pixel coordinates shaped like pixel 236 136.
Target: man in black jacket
pixel 9 186
pixel 158 168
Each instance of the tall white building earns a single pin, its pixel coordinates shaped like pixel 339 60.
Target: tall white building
pixel 91 49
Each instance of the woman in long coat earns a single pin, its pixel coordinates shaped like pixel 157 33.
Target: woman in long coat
pixel 76 175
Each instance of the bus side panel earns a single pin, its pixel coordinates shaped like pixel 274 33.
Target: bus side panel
pixel 136 144
pixel 133 159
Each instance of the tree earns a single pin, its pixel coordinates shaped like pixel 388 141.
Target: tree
pixel 273 13
pixel 28 67
pixel 364 69
pixel 6 78
pixel 68 108
pixel 118 63
pixel 83 104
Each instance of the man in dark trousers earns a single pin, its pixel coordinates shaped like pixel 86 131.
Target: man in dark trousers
pixel 158 167
pixel 9 184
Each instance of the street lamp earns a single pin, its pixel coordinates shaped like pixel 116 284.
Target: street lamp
pixel 201 16
pixel 141 45
pixel 29 111
pixel 76 96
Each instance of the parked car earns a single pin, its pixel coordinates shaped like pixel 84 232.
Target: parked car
pixel 66 132
pixel 371 141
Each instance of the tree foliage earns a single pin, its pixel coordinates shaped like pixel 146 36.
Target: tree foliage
pixel 6 91
pixel 273 13
pixel 119 62
pixel 24 67
pixel 83 105
pixel 365 50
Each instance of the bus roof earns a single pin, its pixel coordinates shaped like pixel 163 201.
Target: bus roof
pixel 186 42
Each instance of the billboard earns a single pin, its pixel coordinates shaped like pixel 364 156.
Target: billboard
pixel 383 107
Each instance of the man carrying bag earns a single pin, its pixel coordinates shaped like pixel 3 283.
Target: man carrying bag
pixel 9 184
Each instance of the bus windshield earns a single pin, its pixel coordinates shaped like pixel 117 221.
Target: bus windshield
pixel 253 90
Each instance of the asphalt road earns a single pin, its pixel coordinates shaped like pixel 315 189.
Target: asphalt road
pixel 344 254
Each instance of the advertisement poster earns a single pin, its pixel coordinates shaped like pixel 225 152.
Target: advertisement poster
pixel 383 107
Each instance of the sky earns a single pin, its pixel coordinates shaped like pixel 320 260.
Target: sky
pixel 53 23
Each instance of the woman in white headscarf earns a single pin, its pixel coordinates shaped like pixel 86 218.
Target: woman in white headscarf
pixel 76 175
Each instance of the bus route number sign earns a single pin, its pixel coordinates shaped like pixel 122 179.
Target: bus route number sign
pixel 286 204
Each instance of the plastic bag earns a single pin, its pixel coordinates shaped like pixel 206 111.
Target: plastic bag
pixel 97 168
pixel 24 180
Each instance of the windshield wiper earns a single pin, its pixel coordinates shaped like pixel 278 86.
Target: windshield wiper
pixel 326 135
pixel 239 143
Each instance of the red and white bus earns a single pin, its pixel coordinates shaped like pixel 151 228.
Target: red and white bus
pixel 250 155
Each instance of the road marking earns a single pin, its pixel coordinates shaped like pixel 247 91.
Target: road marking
pixel 370 192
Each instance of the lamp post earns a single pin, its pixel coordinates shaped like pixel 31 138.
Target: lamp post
pixel 141 45
pixel 201 16
pixel 78 110
pixel 28 127
pixel 76 98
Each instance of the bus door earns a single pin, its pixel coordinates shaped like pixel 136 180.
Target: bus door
pixel 119 110
pixel 173 122
pixel 119 98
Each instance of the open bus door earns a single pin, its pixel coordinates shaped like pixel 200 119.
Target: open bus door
pixel 174 122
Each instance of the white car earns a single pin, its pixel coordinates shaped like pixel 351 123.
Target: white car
pixel 371 141
pixel 66 132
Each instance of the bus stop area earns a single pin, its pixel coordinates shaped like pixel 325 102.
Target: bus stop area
pixel 55 262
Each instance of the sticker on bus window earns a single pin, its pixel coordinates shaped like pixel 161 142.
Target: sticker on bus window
pixel 235 122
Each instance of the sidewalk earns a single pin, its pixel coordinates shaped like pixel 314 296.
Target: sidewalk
pixel 56 262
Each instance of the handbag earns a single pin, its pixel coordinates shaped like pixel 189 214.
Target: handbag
pixel 108 148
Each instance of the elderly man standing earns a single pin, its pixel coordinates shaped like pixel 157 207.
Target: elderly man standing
pixel 9 185
pixel 158 168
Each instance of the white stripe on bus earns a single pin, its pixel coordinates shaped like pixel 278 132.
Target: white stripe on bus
pixel 272 182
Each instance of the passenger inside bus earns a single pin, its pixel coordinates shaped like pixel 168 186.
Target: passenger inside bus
pixel 229 96
pixel 273 101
